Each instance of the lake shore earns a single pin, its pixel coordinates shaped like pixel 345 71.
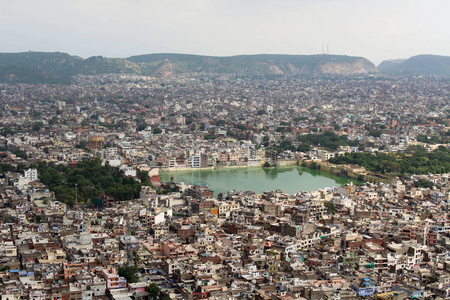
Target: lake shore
pixel 359 174
pixel 281 163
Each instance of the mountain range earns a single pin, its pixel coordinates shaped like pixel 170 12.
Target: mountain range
pixel 419 65
pixel 56 67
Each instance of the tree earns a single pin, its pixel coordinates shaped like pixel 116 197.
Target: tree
pixel 422 182
pixel 286 144
pixel 416 150
pixel 141 127
pixel 336 127
pixel 375 133
pixel 6 131
pixel 153 291
pixel 330 206
pixel 82 144
pixel 209 137
pixel 98 202
pixel 143 176
pixel 157 131
pixel 267 164
pixel 261 112
pixel 5 268
pixel 37 127
pixel 129 273
pixel 305 147
pixel 434 278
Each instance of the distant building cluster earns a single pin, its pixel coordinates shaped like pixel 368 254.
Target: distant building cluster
pixel 377 240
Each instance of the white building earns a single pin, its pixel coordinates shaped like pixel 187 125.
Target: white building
pixel 31 174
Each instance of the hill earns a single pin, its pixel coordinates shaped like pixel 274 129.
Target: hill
pixel 263 64
pixel 56 67
pixel 387 66
pixel 419 65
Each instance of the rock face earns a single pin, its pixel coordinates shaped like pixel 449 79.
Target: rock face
pixel 418 65
pixel 36 67
pixel 356 67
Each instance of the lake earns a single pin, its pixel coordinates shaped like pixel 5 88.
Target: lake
pixel 290 179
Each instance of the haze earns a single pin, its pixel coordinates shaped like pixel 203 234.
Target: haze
pixel 376 30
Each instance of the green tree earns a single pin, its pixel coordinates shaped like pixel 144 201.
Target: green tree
pixel 375 133
pixel 330 206
pixel 129 273
pixel 82 145
pixel 286 144
pixel 422 182
pixel 304 147
pixel 37 127
pixel 5 268
pixel 6 131
pixel 336 127
pixel 153 291
pixel 261 112
pixel 209 137
pixel 141 127
pixel 434 278
pixel 143 176
pixel 157 131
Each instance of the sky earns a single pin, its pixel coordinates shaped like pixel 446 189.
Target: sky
pixel 374 29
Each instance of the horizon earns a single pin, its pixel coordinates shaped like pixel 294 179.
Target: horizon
pixel 377 31
pixel 219 56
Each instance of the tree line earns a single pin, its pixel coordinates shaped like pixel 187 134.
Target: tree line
pixel 416 160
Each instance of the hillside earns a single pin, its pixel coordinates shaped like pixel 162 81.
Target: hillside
pixel 263 64
pixel 419 65
pixel 387 66
pixel 56 67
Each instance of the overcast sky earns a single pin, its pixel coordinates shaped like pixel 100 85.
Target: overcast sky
pixel 374 29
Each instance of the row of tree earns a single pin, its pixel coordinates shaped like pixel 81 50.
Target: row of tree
pixel 416 160
pixel 327 139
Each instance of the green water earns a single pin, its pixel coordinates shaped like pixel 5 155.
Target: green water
pixel 290 179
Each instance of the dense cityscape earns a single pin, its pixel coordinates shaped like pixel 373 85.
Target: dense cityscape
pixel 86 215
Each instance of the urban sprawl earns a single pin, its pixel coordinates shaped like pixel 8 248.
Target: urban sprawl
pixel 85 215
